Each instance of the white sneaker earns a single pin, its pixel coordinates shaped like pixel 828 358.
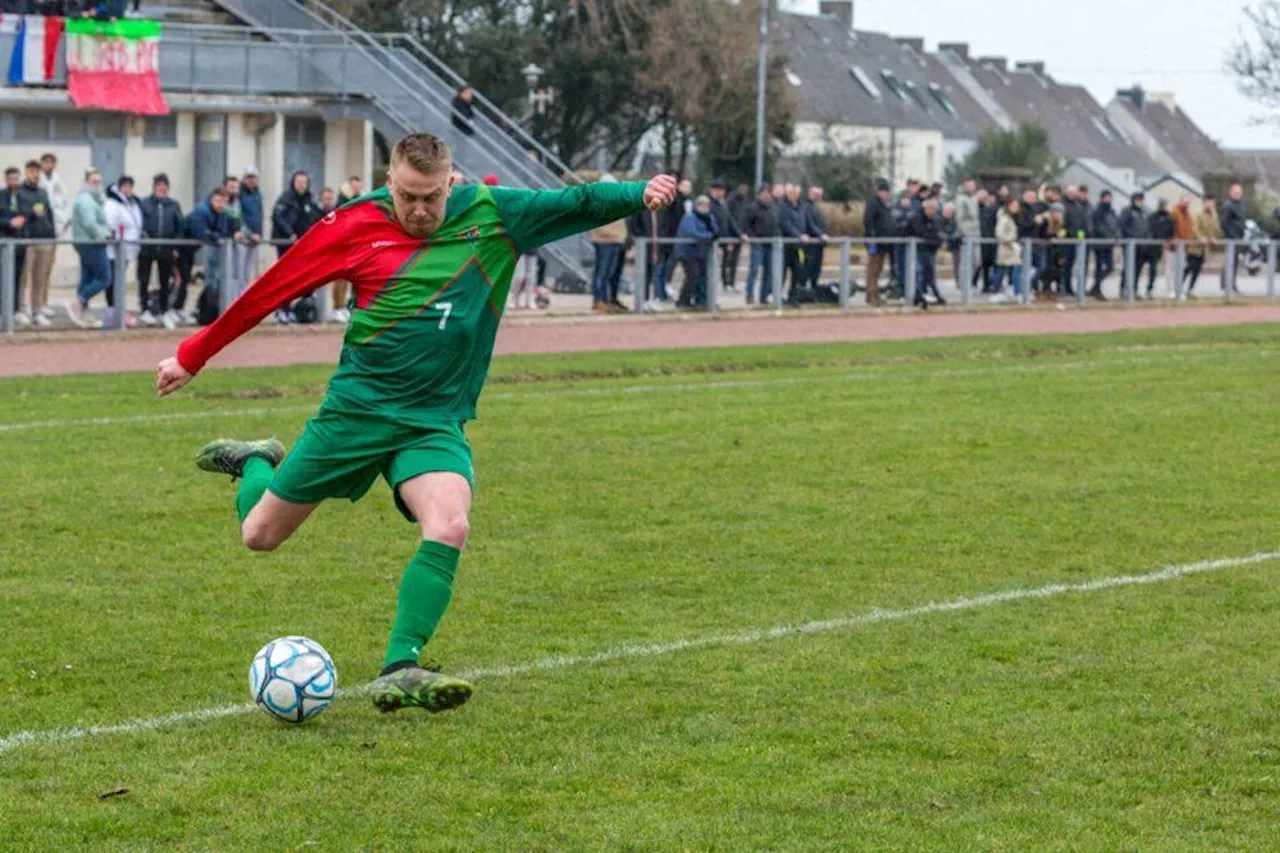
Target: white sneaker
pixel 284 317
pixel 148 319
pixel 21 320
pixel 80 316
pixel 45 312
pixel 42 320
pixel 169 320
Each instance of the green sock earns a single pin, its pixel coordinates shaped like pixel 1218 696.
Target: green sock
pixel 425 591
pixel 253 484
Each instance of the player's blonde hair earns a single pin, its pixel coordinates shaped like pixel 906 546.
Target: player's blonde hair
pixel 423 152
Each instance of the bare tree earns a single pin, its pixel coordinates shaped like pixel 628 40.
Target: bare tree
pixel 1255 58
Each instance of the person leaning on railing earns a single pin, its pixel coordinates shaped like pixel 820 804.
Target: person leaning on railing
pixel 41 225
pixel 13 217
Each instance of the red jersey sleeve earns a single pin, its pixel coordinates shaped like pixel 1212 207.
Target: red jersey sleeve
pixel 322 255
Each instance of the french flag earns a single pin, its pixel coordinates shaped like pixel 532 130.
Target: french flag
pixel 35 48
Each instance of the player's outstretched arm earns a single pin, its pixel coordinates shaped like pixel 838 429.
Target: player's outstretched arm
pixel 536 217
pixel 319 257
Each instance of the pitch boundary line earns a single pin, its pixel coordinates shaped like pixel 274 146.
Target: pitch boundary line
pixel 864 374
pixel 43 737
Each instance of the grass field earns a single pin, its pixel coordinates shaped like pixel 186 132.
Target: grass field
pixel 629 503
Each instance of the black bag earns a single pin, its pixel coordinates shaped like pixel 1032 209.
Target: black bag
pixel 208 305
pixel 827 294
pixel 305 310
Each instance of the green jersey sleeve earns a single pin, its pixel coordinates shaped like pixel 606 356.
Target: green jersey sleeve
pixel 535 217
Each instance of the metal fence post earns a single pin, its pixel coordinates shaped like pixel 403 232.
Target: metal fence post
pixel 1179 269
pixel 119 286
pixel 1271 269
pixel 8 286
pixel 228 287
pixel 846 273
pixel 1081 272
pixel 1229 270
pixel 965 273
pixel 1028 271
pixel 776 273
pixel 713 276
pixel 909 274
pixel 1130 274
pixel 641 272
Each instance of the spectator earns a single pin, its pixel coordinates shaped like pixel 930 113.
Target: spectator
pixel 162 219
pixel 951 234
pixel 877 222
pixel 1184 229
pixel 778 191
pixel 1134 225
pixel 761 227
pixel 609 242
pixel 737 205
pixel 13 222
pixel 988 209
pixel 124 218
pixel 328 200
pixel 815 227
pixel 1233 227
pixel 925 225
pixel 901 228
pixel 464 112
pixel 728 231
pixel 791 217
pixel 235 216
pixel 645 225
pixel 1208 234
pixel 967 223
pixel 295 212
pixel 38 263
pixel 246 252
pixel 105 10
pixel 1076 220
pixel 913 191
pixel 1052 231
pixel 51 182
pixel 1008 253
pixel 1106 226
pixel 209 223
pixel 90 232
pixel 668 225
pixel 1033 214
pixel 696 234
pixel 351 190
pixel 1162 228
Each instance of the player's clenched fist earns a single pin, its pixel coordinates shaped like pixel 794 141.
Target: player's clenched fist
pixel 660 192
pixel 170 376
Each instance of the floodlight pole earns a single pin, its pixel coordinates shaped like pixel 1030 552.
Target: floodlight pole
pixel 762 79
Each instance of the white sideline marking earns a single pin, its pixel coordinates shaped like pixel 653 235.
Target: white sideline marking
pixel 872 617
pixel 866 374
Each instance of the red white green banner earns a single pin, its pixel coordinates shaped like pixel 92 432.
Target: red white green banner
pixel 114 65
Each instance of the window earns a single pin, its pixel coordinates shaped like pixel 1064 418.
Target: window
pixel 895 85
pixel 31 128
pixel 109 126
pixel 70 127
pixel 914 92
pixel 944 99
pixel 161 132
pixel 864 80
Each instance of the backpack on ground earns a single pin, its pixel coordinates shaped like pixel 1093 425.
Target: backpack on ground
pixel 209 305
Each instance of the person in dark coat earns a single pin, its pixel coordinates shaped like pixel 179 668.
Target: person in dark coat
pixel 760 226
pixel 644 226
pixel 1233 227
pixel 728 232
pixel 988 210
pixel 696 234
pixel 816 227
pixel 464 112
pixel 668 224
pixel 791 218
pixel 737 205
pixel 1162 228
pixel 1106 226
pixel 877 221
pixel 14 216
pixel 294 214
pixel 1134 225
pixel 926 226
pixel 901 228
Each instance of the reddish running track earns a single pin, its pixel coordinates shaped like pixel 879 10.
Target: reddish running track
pixel 98 352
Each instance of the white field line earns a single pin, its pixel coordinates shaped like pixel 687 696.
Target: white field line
pixel 645 650
pixel 859 375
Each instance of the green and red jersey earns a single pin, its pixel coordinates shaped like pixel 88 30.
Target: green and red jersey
pixel 426 312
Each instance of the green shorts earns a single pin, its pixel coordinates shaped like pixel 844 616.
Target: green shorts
pixel 341 455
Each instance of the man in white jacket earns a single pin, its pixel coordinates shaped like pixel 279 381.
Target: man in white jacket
pixel 60 201
pixel 124 218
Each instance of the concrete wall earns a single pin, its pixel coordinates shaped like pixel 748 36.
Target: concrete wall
pixel 345 152
pixel 904 154
pixel 143 162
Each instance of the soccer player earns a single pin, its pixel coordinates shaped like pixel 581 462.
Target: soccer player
pixel 431 265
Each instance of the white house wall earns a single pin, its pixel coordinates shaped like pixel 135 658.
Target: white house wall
pixel 919 154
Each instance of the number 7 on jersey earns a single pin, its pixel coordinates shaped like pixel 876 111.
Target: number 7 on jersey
pixel 447 308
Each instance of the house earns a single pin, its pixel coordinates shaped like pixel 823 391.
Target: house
pixel 864 91
pixel 1172 186
pixel 1166 134
pixel 1098 177
pixel 1079 128
pixel 1260 163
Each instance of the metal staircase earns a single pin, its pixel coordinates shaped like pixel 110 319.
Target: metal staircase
pixel 404 88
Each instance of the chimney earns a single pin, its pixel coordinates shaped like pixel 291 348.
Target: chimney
pixel 842 9
pixel 915 43
pixel 1000 63
pixel 1035 67
pixel 1165 99
pixel 1136 96
pixel 959 48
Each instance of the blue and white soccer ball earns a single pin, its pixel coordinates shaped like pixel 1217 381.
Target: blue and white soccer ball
pixel 292 679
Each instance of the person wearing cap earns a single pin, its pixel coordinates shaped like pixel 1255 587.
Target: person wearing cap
pixel 727 230
pixel 1134 225
pixel 162 219
pixel 877 221
pixel 246 252
pixel 696 234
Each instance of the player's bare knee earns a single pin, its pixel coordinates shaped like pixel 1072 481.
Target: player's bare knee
pixel 257 537
pixel 451 529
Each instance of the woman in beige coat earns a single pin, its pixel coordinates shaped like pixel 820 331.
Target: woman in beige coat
pixel 1009 252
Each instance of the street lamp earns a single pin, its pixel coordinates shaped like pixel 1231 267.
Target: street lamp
pixel 538 98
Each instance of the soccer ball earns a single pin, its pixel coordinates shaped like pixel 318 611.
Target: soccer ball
pixel 292 679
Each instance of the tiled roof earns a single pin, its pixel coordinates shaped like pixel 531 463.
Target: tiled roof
pixel 1177 134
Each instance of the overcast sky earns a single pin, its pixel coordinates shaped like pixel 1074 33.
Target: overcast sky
pixel 1167 45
